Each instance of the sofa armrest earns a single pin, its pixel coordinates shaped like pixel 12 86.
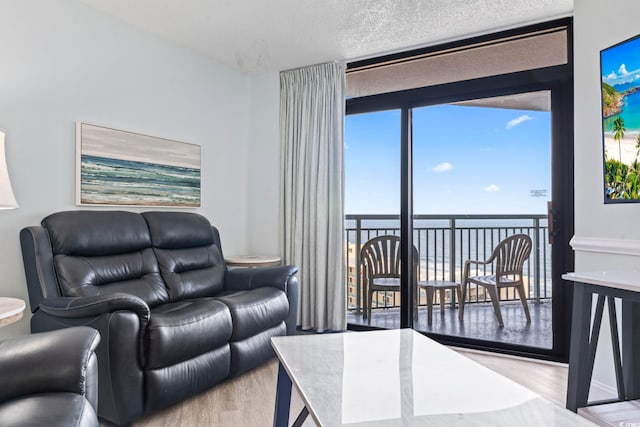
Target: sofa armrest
pixel 241 279
pixel 37 258
pixel 56 361
pixel 121 319
pixel 75 307
pixel 120 354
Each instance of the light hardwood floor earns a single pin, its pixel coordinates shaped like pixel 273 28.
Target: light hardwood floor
pixel 548 379
pixel 248 401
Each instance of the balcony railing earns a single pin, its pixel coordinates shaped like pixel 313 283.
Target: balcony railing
pixel 444 243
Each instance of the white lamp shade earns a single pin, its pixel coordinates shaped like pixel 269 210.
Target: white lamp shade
pixel 7 199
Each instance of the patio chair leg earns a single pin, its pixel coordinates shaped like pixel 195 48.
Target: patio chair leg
pixel 460 303
pixel 369 298
pixel 523 298
pixel 493 292
pixel 430 294
pixel 364 304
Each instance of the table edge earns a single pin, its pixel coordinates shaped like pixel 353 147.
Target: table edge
pixel 14 311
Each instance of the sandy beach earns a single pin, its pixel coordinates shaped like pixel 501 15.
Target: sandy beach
pixel 627 147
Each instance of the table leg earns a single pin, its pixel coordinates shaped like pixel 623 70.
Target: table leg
pixel 579 377
pixel 430 295
pixel 615 344
pixel 283 398
pixel 301 417
pixel 631 348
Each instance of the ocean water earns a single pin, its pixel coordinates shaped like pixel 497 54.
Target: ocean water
pixel 125 182
pixel 630 114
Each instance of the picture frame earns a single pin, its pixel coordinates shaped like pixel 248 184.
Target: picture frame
pixel 121 168
pixel 620 114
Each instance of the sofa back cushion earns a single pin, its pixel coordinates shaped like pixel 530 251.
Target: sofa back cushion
pixel 103 252
pixel 189 254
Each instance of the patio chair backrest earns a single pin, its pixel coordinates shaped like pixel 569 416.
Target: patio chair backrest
pixel 511 253
pixel 381 257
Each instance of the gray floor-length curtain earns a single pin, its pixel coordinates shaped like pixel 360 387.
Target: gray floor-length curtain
pixel 311 137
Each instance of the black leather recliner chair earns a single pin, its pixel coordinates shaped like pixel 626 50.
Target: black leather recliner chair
pixel 50 379
pixel 174 320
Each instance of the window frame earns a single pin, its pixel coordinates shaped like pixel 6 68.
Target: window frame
pixel 558 80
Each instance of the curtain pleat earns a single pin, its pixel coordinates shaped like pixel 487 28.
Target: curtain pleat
pixel 311 132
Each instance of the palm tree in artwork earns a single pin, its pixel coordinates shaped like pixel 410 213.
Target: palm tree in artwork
pixel 618 133
pixel 637 151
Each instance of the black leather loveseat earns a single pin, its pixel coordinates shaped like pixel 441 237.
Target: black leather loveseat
pixel 174 320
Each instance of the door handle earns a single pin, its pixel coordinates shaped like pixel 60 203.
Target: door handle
pixel 551 221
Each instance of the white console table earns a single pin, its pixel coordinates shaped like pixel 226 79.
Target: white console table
pixel 606 285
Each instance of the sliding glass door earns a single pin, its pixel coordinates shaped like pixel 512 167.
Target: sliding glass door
pixel 482 175
pixel 454 179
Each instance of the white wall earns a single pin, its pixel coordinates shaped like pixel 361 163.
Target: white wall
pixel 60 62
pixel 597 25
pixel 264 165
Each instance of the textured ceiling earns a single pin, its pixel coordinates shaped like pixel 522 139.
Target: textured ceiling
pixel 257 36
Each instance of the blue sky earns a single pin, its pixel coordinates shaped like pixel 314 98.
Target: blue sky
pixel 622 63
pixel 471 160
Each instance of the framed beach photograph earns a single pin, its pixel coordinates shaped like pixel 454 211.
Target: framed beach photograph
pixel 620 88
pixel 120 168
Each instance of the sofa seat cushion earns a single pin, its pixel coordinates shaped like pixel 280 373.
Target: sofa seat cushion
pixel 48 410
pixel 182 330
pixel 255 310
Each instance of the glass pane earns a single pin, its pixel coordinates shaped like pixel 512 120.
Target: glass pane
pixel 372 207
pixel 482 173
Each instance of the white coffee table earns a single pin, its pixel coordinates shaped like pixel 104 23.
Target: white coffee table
pixel 401 378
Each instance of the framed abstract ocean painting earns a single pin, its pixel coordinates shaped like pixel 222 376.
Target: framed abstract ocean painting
pixel 620 91
pixel 120 168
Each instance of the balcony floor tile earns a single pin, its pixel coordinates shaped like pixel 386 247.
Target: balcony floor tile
pixel 479 322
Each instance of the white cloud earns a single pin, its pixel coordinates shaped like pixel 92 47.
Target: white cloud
pixel 623 70
pixel 517 121
pixel 492 188
pixel 622 76
pixel 442 167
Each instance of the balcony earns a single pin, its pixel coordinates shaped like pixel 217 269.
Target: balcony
pixel 444 243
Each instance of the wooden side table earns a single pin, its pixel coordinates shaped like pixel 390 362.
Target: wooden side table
pixel 11 310
pixel 252 260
